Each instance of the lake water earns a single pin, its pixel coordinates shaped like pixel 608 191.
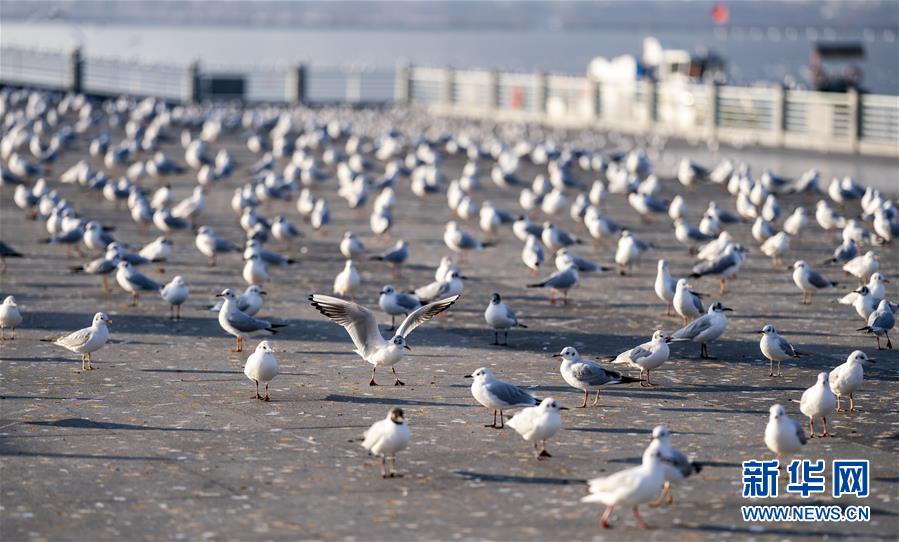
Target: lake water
pixel 754 53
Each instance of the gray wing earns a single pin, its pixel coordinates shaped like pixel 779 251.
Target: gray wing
pixel 560 279
pixel 274 258
pixel 75 338
pixel 656 205
pixel 817 280
pixel 585 265
pixel 144 282
pixel 696 301
pixel 680 462
pixel 359 322
pixel 397 256
pixel 512 395
pixel 800 432
pixel 693 329
pixel 423 314
pixel 714 267
pixel 408 301
pixel 593 374
pixel 246 323
pixel 786 347
pixel 882 320
pixel 467 241
pixel 101 266
pixel 638 352
pixel 511 315
pixel 70 236
pixel 223 245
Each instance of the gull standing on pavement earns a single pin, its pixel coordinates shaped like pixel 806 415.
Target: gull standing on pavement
pixel 351 247
pixel 880 322
pixel 460 241
pixel 10 316
pixel 676 465
pixel 861 267
pixel 501 318
pixel 450 284
pixel 817 402
pixel 362 327
pixel 497 395
pixel 630 487
pixel 249 302
pixel 396 256
pixel 686 302
pixel 134 282
pixel 560 281
pixel 586 375
pixel 175 293
pixel 538 423
pixel 809 281
pixel 704 329
pixel 209 244
pixel 86 341
pixel 775 348
pixel 648 356
pixel 725 266
pixel 847 378
pixel 783 435
pixel 347 281
pixel 862 301
pixel 775 247
pixel 386 438
pixel 532 254
pixel 255 271
pixel 665 285
pixel 238 323
pixel 262 366
pixel 396 303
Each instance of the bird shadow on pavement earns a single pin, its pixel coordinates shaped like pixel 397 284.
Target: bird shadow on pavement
pixel 83 423
pixel 389 401
pixel 509 479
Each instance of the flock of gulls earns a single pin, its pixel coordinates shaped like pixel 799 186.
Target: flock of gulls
pixel 301 159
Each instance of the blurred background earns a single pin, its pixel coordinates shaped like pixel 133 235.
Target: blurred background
pixel 758 41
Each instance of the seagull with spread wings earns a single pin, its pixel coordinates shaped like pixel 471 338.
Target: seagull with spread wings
pixel 362 326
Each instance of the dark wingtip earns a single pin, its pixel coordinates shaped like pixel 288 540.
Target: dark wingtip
pixel 695 276
pixel 697 467
pixel 522 325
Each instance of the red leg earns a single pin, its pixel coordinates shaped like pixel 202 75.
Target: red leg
pixel 604 520
pixel 640 522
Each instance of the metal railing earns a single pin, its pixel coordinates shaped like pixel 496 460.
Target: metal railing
pixel 111 76
pixel 776 117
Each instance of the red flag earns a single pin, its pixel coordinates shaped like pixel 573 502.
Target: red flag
pixel 720 14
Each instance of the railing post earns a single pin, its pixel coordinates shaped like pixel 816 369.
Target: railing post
pixel 402 84
pixel 779 115
pixel 446 94
pixel 493 90
pixel 593 95
pixel 540 93
pixel 713 111
pixel 76 70
pixel 296 84
pixel 191 91
pixel 852 96
pixel 354 86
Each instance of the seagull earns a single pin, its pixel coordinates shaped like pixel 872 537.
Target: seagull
pixel 686 302
pixel 209 244
pixel 863 266
pixel 762 230
pixel 10 317
pixel 630 487
pixel 102 266
pixel 665 285
pixel 647 356
pixel 157 250
pixel 538 423
pixel 847 378
pixel 688 235
pixel 86 341
pixel 817 402
pixel 796 221
pixel 809 281
pixel 565 258
pixel 238 323
pixel 876 285
pixel 775 348
pixel 725 266
pixel 362 326
pixel 704 329
pixel 386 438
pixel 555 238
pixel 560 281
pixel 255 271
pixel 497 395
pixel 501 318
pixel 783 435
pixel 350 246
pixel 880 322
pixel 449 284
pixel 396 256
pixel 284 230
pixel 586 375
pixel 862 301
pixel 847 251
pixel 262 366
pixel 459 241
pixel 134 282
pixel 629 250
pixel 675 464
pixel 175 293
pixel 395 303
